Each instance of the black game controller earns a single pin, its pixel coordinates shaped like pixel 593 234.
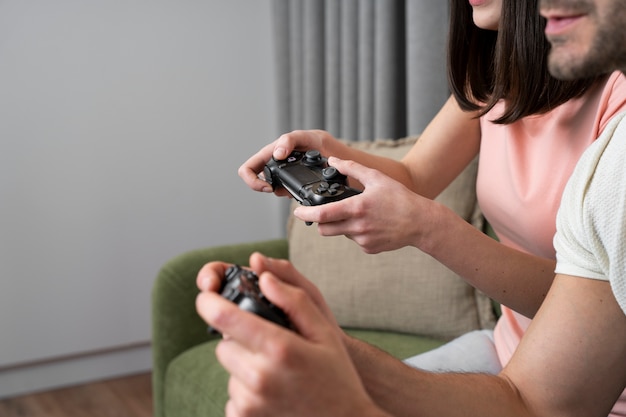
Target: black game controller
pixel 308 178
pixel 241 286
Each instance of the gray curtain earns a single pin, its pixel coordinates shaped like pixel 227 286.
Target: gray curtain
pixel 361 69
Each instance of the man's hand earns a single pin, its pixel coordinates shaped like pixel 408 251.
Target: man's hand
pixel 278 372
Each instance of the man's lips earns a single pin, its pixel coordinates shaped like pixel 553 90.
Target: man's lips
pixel 559 23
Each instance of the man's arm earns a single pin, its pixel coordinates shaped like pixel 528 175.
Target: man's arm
pixel 571 362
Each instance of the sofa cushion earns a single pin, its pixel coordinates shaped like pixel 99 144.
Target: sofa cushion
pixel 403 290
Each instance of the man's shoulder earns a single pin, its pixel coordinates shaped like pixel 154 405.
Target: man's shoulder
pixel 602 154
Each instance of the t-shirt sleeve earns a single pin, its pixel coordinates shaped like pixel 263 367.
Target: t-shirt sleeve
pixel 591 223
pixel 575 254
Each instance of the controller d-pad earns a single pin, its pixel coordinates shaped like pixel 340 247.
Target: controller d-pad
pixel 326 188
pixel 322 188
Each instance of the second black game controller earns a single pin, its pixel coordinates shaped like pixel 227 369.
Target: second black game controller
pixel 308 178
pixel 241 286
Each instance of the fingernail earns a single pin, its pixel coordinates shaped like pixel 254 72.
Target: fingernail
pixel 281 153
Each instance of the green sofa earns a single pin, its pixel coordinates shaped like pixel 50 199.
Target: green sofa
pixel 402 301
pixel 187 380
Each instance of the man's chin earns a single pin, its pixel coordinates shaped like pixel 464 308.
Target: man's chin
pixel 567 64
pixel 570 67
pixel 563 71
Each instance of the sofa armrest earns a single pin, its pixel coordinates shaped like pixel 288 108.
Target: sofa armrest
pixel 176 326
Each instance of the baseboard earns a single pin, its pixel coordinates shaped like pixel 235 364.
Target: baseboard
pixel 73 370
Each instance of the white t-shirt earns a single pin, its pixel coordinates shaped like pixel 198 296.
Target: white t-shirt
pixel 591 223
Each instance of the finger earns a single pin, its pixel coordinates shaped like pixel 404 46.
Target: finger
pixel 240 363
pixel 359 172
pixel 230 409
pixel 250 169
pixel 285 271
pixel 281 268
pixel 246 328
pixel 328 213
pixel 297 139
pixel 283 146
pixel 242 401
pixel 303 313
pixel 308 214
pixel 337 228
pixel 211 275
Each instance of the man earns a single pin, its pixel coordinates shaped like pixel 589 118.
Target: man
pixel 572 361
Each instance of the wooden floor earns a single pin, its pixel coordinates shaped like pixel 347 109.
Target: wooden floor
pixel 124 397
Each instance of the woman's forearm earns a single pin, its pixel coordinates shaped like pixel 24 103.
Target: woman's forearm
pixel 513 278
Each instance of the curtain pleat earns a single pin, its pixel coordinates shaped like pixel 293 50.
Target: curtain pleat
pixel 313 63
pixel 366 70
pixel 390 85
pixel 361 69
pixel 427 86
pixel 332 111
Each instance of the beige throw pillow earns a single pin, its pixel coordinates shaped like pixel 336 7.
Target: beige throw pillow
pixel 403 290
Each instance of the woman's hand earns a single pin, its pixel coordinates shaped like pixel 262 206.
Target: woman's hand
pixel 386 216
pixel 280 149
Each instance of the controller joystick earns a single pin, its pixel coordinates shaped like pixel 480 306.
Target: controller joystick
pixel 331 173
pixel 313 157
pixel 241 286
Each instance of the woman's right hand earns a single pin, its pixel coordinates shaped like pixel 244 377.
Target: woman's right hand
pixel 280 149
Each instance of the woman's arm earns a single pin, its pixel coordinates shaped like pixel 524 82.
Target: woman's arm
pixel 445 148
pixel 388 216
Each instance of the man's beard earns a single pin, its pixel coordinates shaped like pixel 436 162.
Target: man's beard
pixel 606 53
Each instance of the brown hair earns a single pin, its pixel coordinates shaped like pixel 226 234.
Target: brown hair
pixel 487 66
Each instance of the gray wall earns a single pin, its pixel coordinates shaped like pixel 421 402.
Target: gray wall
pixel 122 124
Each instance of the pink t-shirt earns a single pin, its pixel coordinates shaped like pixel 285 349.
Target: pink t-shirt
pixel 523 169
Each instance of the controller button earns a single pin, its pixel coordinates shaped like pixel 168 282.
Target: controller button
pixel 294 156
pixel 322 188
pixel 334 189
pixel 267 174
pixel 335 186
pixel 313 157
pixel 329 173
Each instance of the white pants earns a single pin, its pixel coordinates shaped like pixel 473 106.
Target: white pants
pixel 473 352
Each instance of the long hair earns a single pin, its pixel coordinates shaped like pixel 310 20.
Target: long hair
pixel 510 64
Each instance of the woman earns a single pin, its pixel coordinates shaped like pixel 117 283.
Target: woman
pixel 528 131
